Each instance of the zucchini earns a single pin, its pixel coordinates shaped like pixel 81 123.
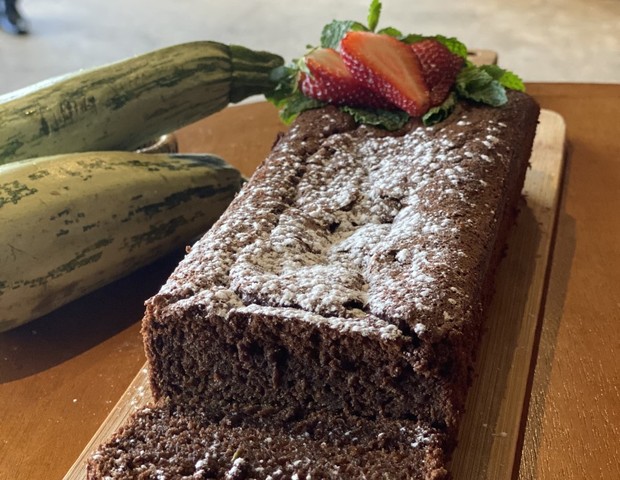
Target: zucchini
pixel 126 104
pixel 75 222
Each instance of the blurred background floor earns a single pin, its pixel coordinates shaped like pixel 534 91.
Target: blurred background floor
pixel 542 40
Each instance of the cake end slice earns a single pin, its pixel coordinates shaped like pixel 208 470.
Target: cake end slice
pixel 166 442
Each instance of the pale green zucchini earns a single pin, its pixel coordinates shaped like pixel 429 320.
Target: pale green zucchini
pixel 126 104
pixel 72 223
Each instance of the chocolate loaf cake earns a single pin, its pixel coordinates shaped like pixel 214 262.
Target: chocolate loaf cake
pixel 351 273
pixel 165 443
pixel 327 325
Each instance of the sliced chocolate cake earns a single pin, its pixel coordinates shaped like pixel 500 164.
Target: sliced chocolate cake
pixel 351 272
pixel 346 285
pixel 165 443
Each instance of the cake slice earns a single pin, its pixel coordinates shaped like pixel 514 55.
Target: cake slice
pixel 167 443
pixel 351 273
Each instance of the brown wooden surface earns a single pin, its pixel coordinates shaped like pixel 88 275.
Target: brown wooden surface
pixel 573 425
pixel 61 375
pixel 490 433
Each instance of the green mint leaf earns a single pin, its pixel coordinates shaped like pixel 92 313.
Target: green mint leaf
pixel 475 84
pixel 453 44
pixel 374 12
pixel 493 70
pixel 392 32
pixel 284 74
pixel 294 104
pixel 285 78
pixel 505 77
pixel 286 96
pixel 388 119
pixel 333 32
pixel 440 112
pixel 413 38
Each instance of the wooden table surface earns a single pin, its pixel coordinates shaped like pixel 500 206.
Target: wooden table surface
pixel 61 375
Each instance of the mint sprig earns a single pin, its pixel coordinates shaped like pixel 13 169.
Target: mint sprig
pixel 295 104
pixel 286 95
pixel 334 31
pixel 487 84
pixel 453 44
pixel 440 112
pixel 504 77
pixel 392 32
pixel 388 119
pixel 475 84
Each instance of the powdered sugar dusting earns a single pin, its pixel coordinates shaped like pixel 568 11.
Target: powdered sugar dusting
pixel 360 233
pixel 163 443
pixel 236 469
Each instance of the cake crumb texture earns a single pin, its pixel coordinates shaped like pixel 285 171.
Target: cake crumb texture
pixel 166 443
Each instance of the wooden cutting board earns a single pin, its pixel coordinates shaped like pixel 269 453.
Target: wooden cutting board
pixel 489 444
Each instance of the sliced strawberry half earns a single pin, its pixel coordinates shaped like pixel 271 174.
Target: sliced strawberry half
pixel 331 82
pixel 439 67
pixel 388 67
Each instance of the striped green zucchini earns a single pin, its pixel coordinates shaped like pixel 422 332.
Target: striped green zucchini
pixel 72 223
pixel 126 104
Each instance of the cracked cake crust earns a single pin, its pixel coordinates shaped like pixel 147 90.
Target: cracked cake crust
pixel 351 272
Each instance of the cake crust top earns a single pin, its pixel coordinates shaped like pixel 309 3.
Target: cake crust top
pixel 363 229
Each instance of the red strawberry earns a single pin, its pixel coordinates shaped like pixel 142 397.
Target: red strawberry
pixel 331 82
pixel 439 66
pixel 388 67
